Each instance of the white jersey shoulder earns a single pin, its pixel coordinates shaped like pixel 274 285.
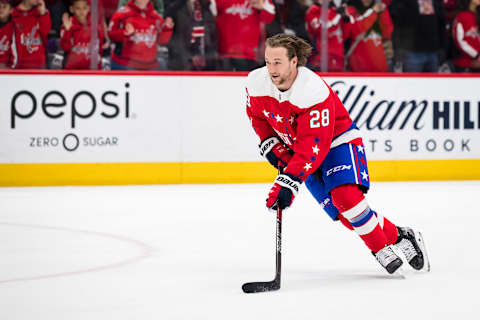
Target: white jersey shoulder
pixel 259 83
pixel 308 89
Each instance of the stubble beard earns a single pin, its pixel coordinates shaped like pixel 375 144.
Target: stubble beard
pixel 282 80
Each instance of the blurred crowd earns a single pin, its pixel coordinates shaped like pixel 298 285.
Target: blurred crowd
pixel 228 35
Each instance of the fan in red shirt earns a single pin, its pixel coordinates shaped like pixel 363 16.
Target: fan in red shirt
pixel 75 36
pixel 32 24
pixel 366 52
pixel 238 25
pixel 340 27
pixel 7 36
pixel 466 37
pixel 136 29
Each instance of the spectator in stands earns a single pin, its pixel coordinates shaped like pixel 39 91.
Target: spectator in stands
pixel 135 30
pixel 336 38
pixel 419 34
pixel 7 36
pixel 366 53
pixel 341 25
pixel 193 45
pixel 238 25
pixel 32 24
pixel 158 5
pixel 75 37
pixel 466 37
pixel 289 18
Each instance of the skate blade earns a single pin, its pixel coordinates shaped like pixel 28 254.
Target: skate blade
pixel 399 274
pixel 421 244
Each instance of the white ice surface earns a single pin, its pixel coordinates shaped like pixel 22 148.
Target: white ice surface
pixel 183 252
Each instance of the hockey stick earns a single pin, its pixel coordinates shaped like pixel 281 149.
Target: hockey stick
pixel 252 287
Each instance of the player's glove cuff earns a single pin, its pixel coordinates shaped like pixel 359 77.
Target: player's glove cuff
pixel 290 182
pixel 275 152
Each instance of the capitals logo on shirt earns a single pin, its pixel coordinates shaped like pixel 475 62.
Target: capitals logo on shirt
pixel 473 33
pixel 32 40
pixel 243 10
pixel 149 36
pixel 83 48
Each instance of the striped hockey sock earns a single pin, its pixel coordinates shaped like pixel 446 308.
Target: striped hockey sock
pixel 366 224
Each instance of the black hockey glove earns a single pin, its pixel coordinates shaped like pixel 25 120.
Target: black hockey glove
pixel 283 192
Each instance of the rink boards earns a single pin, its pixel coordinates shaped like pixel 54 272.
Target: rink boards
pixel 130 128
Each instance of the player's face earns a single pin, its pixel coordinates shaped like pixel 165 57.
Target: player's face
pixel 80 10
pixel 5 11
pixel 282 70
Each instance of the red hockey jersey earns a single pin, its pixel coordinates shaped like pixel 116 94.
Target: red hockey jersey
pixel 76 43
pixel 466 37
pixel 368 54
pixel 31 31
pixel 309 117
pixel 238 26
pixel 338 32
pixel 8 51
pixel 139 50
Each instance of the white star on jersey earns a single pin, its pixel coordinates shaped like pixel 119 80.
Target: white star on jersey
pixel 315 149
pixel 266 113
pixel 360 149
pixel 364 175
pixel 278 118
pixel 291 119
pixel 308 166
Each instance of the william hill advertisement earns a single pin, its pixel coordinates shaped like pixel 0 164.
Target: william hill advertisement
pixel 415 118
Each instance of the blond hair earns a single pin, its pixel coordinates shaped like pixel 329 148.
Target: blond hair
pixel 296 47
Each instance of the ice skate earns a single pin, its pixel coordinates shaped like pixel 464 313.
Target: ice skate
pixel 388 259
pixel 411 244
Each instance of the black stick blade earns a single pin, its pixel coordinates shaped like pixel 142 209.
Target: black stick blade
pixel 253 287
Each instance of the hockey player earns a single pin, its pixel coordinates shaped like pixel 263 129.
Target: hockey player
pixel 32 24
pixel 75 35
pixel 136 29
pixel 8 52
pixel 306 131
pixel 467 37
